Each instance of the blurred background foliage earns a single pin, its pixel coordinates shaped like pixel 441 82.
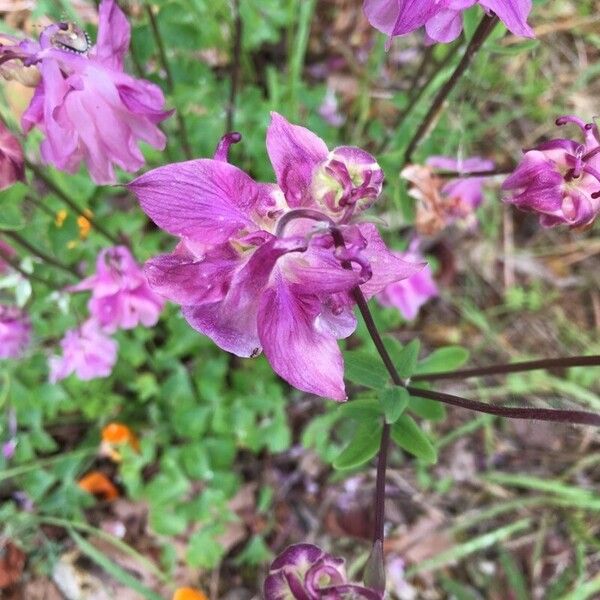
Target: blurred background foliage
pixel 232 463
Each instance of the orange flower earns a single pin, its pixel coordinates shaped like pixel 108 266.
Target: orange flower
pixel 99 484
pixel 116 434
pixel 84 224
pixel 189 594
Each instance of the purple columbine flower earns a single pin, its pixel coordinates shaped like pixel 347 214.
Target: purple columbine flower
pixel 15 332
pixel 410 294
pixel 441 204
pixel 442 19
pixel 305 572
pixel 11 158
pixel 560 179
pixel 329 110
pixel 254 270
pixel 121 297
pixel 88 108
pixel 87 352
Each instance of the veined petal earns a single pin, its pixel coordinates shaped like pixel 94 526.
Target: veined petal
pixel 204 199
pixel 114 35
pixel 387 266
pixel 445 26
pixel 534 170
pixel 305 356
pixel 415 13
pixel 232 322
pixel 188 280
pixel 513 13
pixel 294 152
pixel 382 14
pixel 320 272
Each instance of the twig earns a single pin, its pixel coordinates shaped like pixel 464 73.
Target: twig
pixel 40 253
pixel 64 197
pixel 185 143
pixel 32 276
pixel 466 174
pixel 517 367
pixel 575 417
pixel 481 33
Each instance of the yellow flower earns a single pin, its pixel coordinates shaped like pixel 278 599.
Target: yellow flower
pixel 84 224
pixel 61 216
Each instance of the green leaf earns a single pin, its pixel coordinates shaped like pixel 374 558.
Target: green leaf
pixel 406 361
pixel 427 409
pixel 407 435
pixel 360 409
pixel 394 401
pixel 449 358
pixel 363 446
pixel 511 49
pixel 365 369
pixel 256 552
pixel 203 549
pixel 166 522
pixel 114 570
pixel 11 217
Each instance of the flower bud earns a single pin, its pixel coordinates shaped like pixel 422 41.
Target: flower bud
pixel 348 181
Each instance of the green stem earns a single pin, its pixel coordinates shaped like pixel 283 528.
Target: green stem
pixel 298 52
pixel 183 134
pixel 66 199
pixel 15 237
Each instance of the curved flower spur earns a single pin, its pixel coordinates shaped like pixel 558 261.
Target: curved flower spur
pixel 256 267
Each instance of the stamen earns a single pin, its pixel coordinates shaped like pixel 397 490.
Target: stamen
pixel 225 143
pixel 591 154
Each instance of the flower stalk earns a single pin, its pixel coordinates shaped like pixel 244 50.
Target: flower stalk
pixel 517 367
pixel 555 415
pixel 482 32
pixel 40 253
pixel 183 134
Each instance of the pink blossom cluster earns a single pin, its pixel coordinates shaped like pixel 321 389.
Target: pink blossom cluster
pixel 120 299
